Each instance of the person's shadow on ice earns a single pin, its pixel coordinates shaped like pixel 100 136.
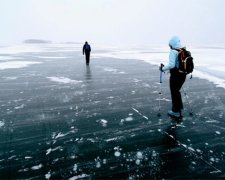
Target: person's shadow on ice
pixel 88 75
pixel 173 156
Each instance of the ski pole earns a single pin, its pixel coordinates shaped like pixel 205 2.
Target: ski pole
pixel 160 78
pixel 161 72
pixel 190 109
pixel 160 90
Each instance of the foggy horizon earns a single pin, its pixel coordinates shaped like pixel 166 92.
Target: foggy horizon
pixel 112 22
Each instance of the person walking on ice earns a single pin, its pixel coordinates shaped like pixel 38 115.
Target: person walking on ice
pixel 87 51
pixel 177 78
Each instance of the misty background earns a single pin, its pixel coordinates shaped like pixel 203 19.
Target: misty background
pixel 112 22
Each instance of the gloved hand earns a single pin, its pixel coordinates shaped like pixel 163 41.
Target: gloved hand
pixel 161 66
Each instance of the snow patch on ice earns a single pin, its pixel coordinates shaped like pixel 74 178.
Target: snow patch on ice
pixel 79 177
pixel 217 68
pixel 139 155
pixel 219 82
pixel 37 167
pixel 3 58
pixel 129 119
pixel 138 161
pixel 111 139
pixel 48 175
pixel 117 154
pixel 137 80
pixel 28 157
pixel 103 122
pixel 212 121
pixel 16 64
pixel 12 157
pixel 20 107
pixel 204 67
pixel 10 78
pixel 190 148
pixel 114 71
pixel 98 164
pixel 198 150
pixel 51 57
pixel 217 132
pixel 23 170
pixel 64 80
pixel 163 99
pixel 59 135
pixel 75 167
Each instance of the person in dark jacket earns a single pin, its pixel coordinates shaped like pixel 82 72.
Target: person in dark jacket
pixel 87 51
pixel 177 79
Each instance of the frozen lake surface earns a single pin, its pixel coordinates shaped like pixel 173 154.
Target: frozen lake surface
pixel 62 120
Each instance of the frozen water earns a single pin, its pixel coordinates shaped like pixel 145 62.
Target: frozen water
pixel 42 106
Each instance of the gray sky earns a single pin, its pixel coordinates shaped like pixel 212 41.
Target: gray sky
pixel 113 21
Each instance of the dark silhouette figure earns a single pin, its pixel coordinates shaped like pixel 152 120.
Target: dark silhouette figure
pixel 87 51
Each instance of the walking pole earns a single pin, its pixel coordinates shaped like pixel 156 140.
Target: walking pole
pixel 160 91
pixel 190 109
pixel 160 78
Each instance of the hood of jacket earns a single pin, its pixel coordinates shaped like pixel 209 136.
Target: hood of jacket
pixel 175 42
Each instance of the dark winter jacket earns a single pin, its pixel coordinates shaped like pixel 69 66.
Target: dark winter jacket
pixel 86 48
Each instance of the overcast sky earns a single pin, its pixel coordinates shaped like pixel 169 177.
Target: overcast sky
pixel 113 21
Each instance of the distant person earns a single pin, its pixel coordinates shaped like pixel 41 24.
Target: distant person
pixel 87 51
pixel 177 78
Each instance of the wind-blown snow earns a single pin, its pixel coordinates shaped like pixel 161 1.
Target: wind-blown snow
pixel 16 64
pixel 3 58
pixel 37 167
pixel 64 80
pixel 209 61
pixel 218 81
pixel 82 176
pixel 51 57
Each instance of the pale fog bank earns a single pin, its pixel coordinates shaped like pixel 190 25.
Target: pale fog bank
pixel 209 60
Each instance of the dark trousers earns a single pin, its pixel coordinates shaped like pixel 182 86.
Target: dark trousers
pixel 87 55
pixel 176 81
